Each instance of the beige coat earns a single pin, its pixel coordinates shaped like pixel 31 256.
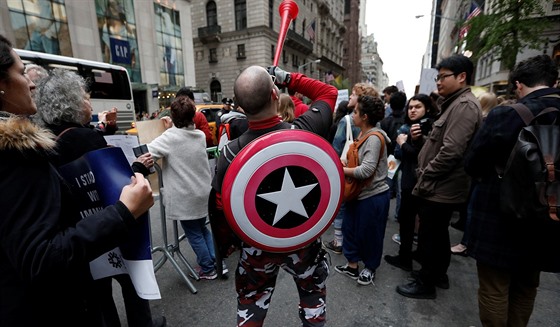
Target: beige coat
pixel 441 175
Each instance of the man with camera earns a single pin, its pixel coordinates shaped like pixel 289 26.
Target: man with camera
pixel 442 183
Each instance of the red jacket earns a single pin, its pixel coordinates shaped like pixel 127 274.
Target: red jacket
pixel 300 106
pixel 201 123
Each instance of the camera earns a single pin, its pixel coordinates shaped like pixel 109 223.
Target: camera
pixel 425 126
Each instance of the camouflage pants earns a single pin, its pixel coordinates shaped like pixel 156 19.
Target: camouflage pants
pixel 255 279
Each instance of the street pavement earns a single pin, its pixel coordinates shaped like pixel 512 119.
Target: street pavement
pixel 348 304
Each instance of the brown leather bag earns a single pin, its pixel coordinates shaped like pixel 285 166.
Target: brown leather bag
pixel 353 186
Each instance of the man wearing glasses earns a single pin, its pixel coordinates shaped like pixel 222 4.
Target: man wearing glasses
pixel 442 186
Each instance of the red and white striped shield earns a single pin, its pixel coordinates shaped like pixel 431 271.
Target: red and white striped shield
pixel 283 190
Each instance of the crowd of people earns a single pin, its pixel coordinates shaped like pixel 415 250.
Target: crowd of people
pixel 448 143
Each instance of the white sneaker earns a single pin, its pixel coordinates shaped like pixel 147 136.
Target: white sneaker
pixel 396 238
pixel 366 277
pixel 225 269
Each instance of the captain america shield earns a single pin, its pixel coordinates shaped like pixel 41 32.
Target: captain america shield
pixel 283 190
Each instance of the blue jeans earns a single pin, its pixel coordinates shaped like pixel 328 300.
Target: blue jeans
pixel 201 241
pixel 340 216
pixel 363 229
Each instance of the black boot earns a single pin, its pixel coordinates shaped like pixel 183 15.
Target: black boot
pixel 399 262
pixel 417 290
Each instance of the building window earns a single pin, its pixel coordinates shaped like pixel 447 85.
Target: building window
pixel 213 55
pixel 241 51
pixel 40 26
pixel 211 14
pixel 271 14
pixel 240 15
pixel 119 31
pixel 170 48
pixel 294 24
pixel 284 57
pixel 295 60
pixel 303 27
pixel 272 51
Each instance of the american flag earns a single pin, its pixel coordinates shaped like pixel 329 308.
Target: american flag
pixel 475 11
pixel 311 31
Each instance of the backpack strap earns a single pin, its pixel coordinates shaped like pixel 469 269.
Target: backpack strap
pixel 523 112
pixel 381 150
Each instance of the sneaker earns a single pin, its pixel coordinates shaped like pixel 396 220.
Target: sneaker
pixel 396 238
pixel 366 277
pixel 459 249
pixel 345 270
pixel 225 269
pixel 333 247
pixel 202 275
pixel 209 275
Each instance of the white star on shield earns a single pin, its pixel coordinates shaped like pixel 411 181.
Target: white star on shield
pixel 288 198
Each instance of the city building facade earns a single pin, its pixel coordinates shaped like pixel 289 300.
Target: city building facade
pixel 372 64
pixel 352 41
pixel 230 35
pixel 448 17
pixel 151 39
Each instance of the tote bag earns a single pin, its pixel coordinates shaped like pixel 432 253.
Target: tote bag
pixel 349 140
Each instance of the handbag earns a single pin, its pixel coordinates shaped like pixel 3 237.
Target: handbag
pixel 349 140
pixel 353 186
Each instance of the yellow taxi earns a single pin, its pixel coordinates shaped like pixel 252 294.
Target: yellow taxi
pixel 210 111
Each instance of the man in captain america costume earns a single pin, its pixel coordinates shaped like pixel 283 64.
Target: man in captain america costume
pixel 282 198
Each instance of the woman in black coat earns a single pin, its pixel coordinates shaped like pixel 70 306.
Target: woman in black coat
pixel 45 247
pixel 63 106
pixel 420 109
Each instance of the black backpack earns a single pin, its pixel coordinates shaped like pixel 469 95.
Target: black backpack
pixel 531 179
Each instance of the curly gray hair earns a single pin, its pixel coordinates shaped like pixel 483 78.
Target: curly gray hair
pixel 60 98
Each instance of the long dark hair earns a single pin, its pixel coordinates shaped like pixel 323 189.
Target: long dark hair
pixel 431 108
pixel 341 111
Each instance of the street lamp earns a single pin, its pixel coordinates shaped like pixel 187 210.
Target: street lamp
pixel 439 16
pixel 301 67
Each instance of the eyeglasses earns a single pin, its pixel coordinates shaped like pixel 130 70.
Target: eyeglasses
pixel 442 77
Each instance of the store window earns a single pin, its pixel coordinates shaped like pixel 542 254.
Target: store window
pixel 40 25
pixel 170 46
pixel 117 32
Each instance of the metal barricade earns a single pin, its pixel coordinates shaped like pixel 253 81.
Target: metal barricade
pixel 170 249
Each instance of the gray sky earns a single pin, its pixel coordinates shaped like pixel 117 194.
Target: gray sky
pixel 401 38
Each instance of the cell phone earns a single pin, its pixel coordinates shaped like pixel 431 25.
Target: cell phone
pixel 425 126
pixel 140 150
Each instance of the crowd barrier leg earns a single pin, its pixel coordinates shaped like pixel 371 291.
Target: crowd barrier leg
pixel 170 249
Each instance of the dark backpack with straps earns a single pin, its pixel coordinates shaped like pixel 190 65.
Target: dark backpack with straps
pixel 531 179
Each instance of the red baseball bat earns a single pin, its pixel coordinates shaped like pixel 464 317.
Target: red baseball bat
pixel 288 11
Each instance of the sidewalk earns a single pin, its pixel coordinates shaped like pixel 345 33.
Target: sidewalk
pixel 348 304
